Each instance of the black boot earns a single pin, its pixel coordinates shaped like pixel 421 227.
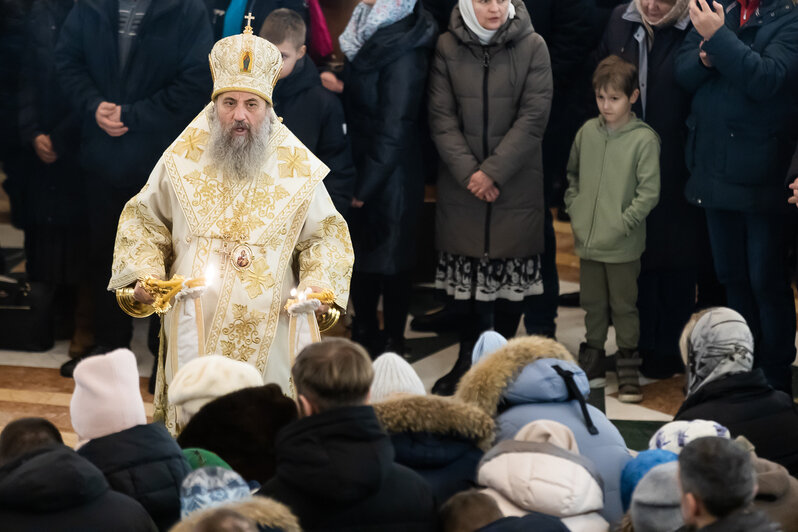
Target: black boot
pixel 447 384
pixel 628 364
pixel 593 362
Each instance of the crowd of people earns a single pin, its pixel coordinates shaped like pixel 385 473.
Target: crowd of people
pixel 663 130
pixel 364 447
pixel 680 181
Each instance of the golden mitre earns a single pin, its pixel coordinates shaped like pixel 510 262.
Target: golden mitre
pixel 245 63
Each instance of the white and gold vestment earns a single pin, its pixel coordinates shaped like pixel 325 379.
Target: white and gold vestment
pixel 260 238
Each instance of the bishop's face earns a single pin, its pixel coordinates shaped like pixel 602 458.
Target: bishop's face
pixel 241 113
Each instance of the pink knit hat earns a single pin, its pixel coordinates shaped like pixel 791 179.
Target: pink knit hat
pixel 107 398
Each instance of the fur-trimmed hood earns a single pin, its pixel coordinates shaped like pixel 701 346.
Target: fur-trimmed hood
pixel 437 415
pixel 264 511
pixel 485 382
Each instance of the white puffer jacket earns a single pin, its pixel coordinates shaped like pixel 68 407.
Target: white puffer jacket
pixel 541 470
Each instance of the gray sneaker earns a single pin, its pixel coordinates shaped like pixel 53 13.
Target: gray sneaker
pixel 628 365
pixel 593 362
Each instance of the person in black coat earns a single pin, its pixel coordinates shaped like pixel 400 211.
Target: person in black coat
pixel 259 9
pixel 134 91
pixel 55 214
pixel 138 459
pixel 384 79
pixel 145 463
pixel 722 386
pixel 44 485
pixel 439 438
pixel 667 283
pixel 335 465
pixel 741 65
pixel 14 156
pixel 312 113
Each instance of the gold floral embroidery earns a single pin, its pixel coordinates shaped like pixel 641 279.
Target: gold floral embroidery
pixel 293 160
pixel 208 191
pixel 143 244
pixel 257 278
pixel 242 333
pixel 192 144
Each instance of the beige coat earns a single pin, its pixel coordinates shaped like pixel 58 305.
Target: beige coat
pixel 488 109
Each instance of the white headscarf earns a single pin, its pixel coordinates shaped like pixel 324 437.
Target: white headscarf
pixel 471 22
pixel 366 20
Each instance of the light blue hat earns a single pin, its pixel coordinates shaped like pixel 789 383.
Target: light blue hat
pixel 489 342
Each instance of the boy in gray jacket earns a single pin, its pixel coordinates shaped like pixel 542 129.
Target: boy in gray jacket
pixel 613 178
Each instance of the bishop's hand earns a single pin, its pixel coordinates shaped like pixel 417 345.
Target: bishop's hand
pixel 141 295
pixel 323 309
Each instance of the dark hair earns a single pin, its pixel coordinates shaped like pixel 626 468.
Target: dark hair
pixel 333 373
pixel 284 24
pixel 719 473
pixel 615 73
pixel 468 510
pixel 225 520
pixel 26 435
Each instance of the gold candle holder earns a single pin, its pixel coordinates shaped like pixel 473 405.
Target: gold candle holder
pixel 162 293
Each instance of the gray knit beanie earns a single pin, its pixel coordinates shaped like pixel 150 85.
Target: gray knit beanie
pixel 656 501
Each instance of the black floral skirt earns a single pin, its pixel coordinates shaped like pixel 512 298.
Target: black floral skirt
pixel 487 280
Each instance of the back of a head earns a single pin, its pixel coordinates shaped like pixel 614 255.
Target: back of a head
pixel 284 25
pixel 225 520
pixel 468 511
pixel 333 373
pixel 394 375
pixel 26 435
pixel 719 473
pixel 107 397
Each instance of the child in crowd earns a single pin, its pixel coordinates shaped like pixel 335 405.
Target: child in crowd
pixel 613 183
pixel 312 113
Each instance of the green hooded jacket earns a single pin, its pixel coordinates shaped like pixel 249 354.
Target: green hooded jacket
pixel 613 183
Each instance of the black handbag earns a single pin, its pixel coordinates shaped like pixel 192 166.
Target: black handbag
pixel 26 315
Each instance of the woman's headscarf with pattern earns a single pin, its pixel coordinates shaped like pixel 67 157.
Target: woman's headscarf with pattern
pixel 366 20
pixel 720 344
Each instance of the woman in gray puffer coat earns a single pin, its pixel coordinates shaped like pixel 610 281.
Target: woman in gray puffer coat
pixel 490 92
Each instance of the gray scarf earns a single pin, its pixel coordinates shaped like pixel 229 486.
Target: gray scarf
pixel 720 344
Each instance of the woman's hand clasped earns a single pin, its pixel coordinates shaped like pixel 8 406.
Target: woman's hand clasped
pixel 483 187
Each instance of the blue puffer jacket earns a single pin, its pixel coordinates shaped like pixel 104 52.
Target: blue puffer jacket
pixel 520 383
pixel 741 132
pixel 540 392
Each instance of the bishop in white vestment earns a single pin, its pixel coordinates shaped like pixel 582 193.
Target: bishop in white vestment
pixel 237 198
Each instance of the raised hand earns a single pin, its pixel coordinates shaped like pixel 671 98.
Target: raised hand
pixel 706 20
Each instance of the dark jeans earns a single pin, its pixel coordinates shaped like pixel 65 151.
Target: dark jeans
pixel 750 260
pixel 541 311
pixel 665 301
pixel 112 327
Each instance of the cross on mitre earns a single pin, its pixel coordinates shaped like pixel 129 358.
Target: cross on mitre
pixel 248 28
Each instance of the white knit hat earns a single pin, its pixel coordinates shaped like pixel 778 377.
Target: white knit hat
pixel 205 378
pixel 676 434
pixel 107 398
pixel 392 374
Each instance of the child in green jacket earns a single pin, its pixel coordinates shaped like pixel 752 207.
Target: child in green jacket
pixel 613 178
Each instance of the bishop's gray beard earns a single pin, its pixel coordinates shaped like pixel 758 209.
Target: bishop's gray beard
pixel 238 157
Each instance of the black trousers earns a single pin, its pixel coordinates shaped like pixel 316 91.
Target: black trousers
pixel 112 327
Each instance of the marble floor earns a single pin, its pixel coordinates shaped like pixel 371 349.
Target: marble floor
pixel 30 384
